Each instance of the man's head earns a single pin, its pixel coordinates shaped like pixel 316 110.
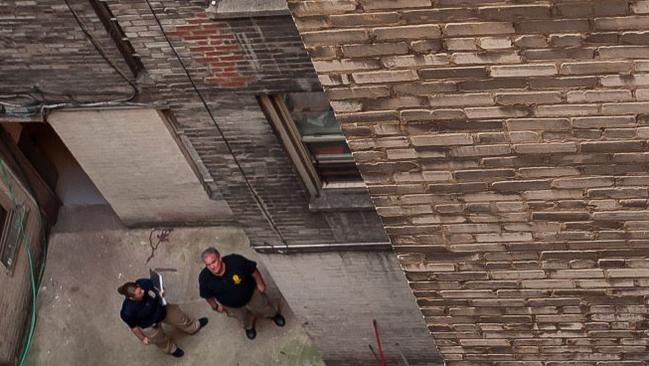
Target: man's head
pixel 212 259
pixel 132 291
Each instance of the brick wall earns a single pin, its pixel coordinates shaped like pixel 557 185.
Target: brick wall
pixel 44 54
pixel 231 61
pixel 43 49
pixel 15 286
pixel 504 144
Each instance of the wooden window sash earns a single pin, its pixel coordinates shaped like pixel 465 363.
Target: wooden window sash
pixel 292 140
pixel 12 236
pixel 336 158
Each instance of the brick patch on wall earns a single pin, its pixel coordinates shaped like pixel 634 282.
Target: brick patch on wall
pixel 214 45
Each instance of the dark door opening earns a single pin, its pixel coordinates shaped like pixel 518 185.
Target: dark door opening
pixel 58 181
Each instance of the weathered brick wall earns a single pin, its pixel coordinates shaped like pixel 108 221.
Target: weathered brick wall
pixel 504 144
pixel 45 53
pixel 232 61
pixel 269 171
pixel 15 286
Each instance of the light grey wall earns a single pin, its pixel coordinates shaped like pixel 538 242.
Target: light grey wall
pixel 337 294
pixel 132 158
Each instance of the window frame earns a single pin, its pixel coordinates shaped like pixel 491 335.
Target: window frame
pixel 296 144
pixel 12 234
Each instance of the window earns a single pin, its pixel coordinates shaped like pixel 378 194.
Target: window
pixel 12 225
pixel 312 137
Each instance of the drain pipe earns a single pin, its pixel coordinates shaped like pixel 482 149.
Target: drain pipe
pixel 268 248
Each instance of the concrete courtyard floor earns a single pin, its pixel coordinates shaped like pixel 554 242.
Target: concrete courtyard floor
pixel 79 324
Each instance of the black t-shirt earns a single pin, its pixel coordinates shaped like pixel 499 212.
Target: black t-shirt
pixel 146 312
pixel 234 289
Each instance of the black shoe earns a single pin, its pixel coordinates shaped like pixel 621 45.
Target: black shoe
pixel 202 322
pixel 279 320
pixel 178 353
pixel 251 333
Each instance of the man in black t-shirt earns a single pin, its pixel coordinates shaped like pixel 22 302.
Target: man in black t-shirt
pixel 143 312
pixel 232 284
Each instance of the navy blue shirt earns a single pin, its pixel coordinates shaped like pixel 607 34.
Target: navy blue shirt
pixel 146 312
pixel 235 288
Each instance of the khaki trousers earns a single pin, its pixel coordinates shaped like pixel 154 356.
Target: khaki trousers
pixel 177 318
pixel 257 306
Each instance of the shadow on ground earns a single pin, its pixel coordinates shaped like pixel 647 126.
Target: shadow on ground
pixel 79 320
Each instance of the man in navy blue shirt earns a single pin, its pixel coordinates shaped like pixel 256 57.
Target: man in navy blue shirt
pixel 143 312
pixel 233 285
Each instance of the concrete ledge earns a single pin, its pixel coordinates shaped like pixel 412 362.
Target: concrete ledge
pixel 342 199
pixel 228 9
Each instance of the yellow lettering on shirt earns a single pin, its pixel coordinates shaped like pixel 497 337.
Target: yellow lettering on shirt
pixel 236 279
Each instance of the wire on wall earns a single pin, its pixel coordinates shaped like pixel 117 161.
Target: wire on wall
pixel 42 106
pixel 252 190
pixel 100 50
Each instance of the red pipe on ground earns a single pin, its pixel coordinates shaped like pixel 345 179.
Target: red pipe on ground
pixel 378 342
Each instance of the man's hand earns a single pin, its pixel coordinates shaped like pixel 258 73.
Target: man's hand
pixel 140 335
pixel 261 284
pixel 215 305
pixel 261 287
pixel 219 308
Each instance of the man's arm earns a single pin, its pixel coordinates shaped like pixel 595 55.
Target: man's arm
pixel 261 284
pixel 215 305
pixel 140 335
